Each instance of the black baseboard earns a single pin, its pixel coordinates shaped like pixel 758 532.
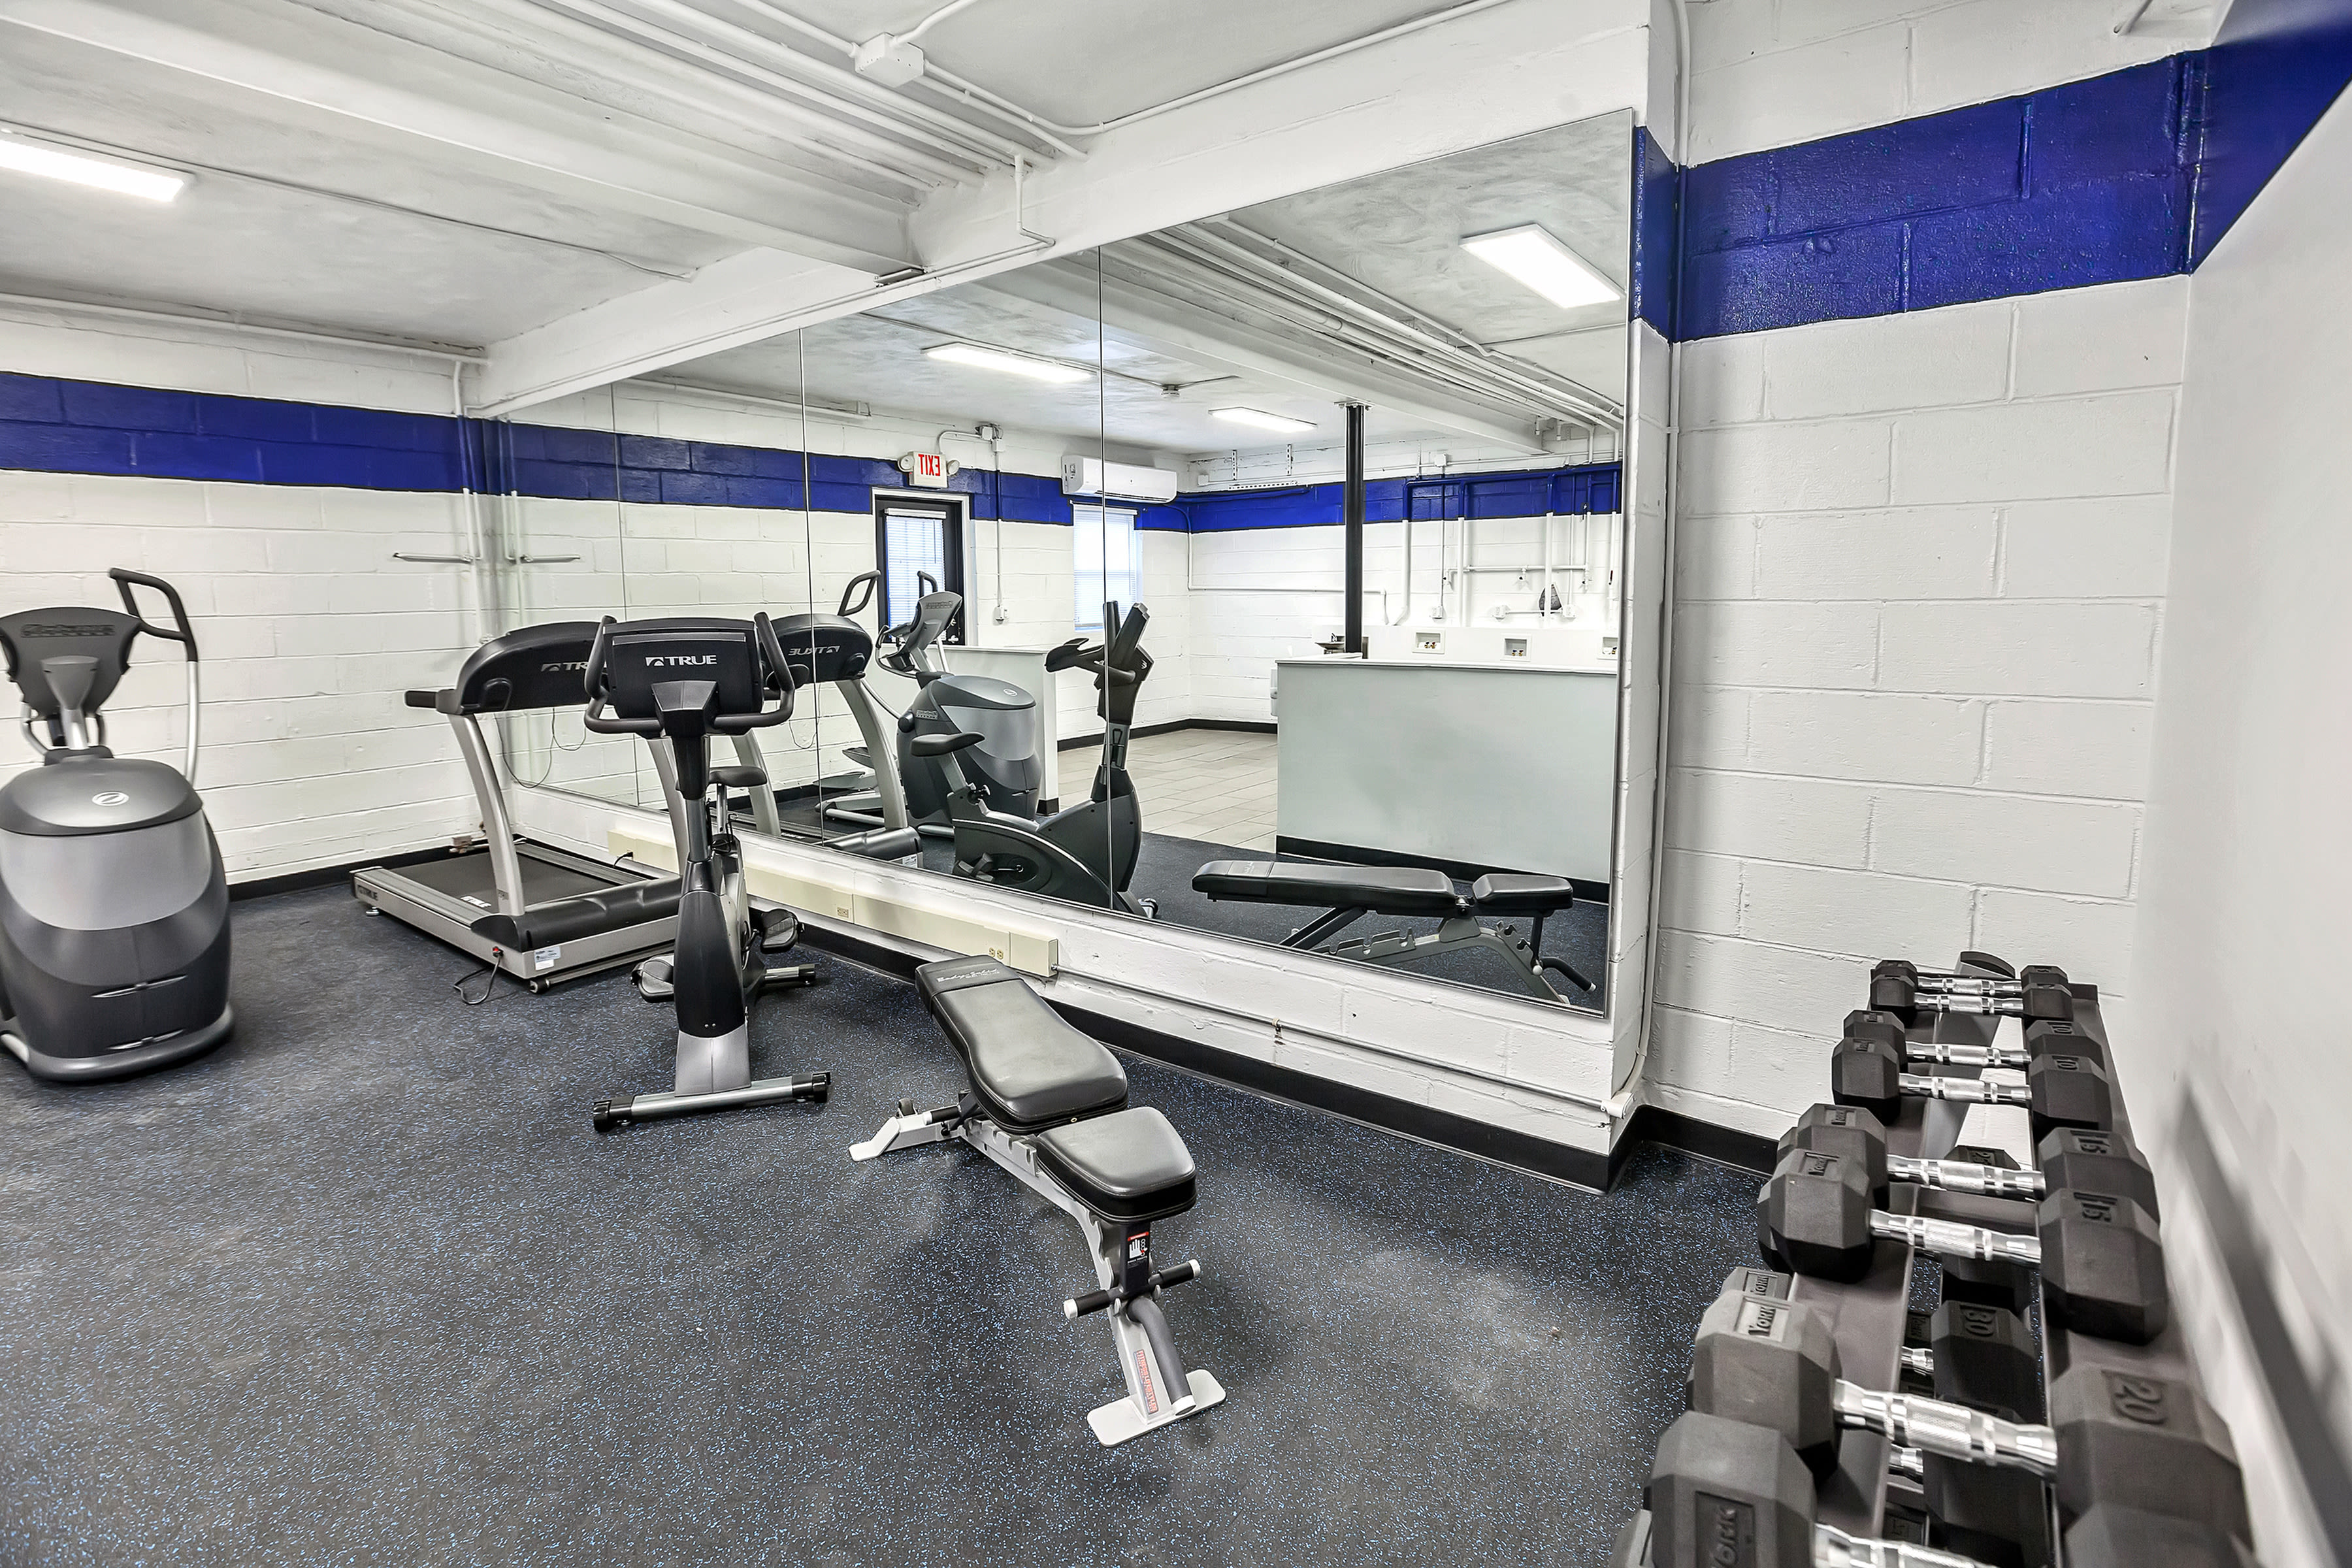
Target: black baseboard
pixel 1673 1129
pixel 1244 726
pixel 326 876
pixel 1466 871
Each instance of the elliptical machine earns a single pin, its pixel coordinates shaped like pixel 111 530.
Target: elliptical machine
pixel 675 683
pixel 1004 765
pixel 114 939
pixel 1087 853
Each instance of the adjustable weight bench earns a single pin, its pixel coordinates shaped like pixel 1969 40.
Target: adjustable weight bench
pixel 1348 893
pixel 1049 1104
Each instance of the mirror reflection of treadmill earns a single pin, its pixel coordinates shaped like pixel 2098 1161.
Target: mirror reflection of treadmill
pixel 539 913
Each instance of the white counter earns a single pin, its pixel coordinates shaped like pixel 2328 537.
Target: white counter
pixel 1505 765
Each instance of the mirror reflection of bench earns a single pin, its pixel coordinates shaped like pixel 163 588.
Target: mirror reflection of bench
pixel 1049 1104
pixel 1348 893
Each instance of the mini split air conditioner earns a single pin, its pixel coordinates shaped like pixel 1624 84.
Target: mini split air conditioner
pixel 1116 481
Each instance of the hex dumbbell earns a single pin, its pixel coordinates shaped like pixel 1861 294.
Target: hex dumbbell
pixel 1725 1494
pixel 2083 1159
pixel 1979 1356
pixel 2142 1442
pixel 2060 1089
pixel 1901 987
pixel 2101 1262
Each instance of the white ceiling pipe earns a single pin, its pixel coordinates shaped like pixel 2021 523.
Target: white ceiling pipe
pixel 1346 285
pixel 662 75
pixel 1449 343
pixel 1282 68
pixel 941 15
pixel 933 75
pixel 1383 343
pixel 940 123
pixel 229 325
pixel 959 164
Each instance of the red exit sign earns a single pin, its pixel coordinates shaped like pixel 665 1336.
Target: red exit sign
pixel 927 468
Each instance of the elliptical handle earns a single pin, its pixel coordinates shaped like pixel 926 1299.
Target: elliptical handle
pixel 869 581
pixel 187 636
pixel 780 679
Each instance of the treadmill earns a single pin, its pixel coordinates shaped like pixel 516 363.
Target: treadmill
pixel 542 914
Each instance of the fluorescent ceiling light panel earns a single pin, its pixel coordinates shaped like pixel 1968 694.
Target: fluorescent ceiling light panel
pixel 1261 419
pixel 31 157
pixel 982 358
pixel 1529 254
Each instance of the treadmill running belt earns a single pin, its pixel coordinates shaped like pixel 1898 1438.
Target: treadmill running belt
pixel 468 876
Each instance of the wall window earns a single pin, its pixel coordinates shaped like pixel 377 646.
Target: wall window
pixel 1107 555
pixel 913 539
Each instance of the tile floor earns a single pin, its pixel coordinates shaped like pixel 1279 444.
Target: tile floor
pixel 1211 785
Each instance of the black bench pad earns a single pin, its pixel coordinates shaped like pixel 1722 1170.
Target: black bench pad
pixel 1130 1166
pixel 1519 893
pixel 1388 890
pixel 1028 1068
pixel 590 914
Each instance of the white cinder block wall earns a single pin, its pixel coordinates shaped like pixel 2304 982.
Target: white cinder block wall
pixel 310 632
pixel 2244 923
pixel 1919 589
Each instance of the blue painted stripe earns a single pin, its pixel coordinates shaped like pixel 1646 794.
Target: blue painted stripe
pixel 2079 184
pixel 2273 69
pixel 91 427
pixel 2128 175
pixel 1657 208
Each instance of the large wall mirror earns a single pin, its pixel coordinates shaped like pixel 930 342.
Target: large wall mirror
pixel 1069 552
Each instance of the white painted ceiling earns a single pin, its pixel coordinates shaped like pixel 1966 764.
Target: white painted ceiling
pixel 1173 352
pixel 665 132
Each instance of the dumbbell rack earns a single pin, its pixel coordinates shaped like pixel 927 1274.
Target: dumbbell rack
pixel 1868 1317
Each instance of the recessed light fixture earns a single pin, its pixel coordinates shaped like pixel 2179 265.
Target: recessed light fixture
pixel 1529 254
pixel 31 157
pixel 980 357
pixel 1261 419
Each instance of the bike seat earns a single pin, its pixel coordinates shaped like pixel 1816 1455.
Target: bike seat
pixel 740 775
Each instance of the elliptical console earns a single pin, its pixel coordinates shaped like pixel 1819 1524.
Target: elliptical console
pixel 114 942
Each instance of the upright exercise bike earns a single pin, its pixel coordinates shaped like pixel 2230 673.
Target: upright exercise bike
pixel 1087 853
pixel 676 683
pixel 114 936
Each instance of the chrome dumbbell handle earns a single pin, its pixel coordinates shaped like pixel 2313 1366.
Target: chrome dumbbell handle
pixel 1834 1547
pixel 1959 1176
pixel 1966 1056
pixel 1963 1090
pixel 1947 1239
pixel 1954 1431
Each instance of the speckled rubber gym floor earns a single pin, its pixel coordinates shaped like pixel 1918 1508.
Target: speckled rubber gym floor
pixel 363 1287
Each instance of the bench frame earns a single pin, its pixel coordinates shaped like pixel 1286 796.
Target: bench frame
pixel 1401 949
pixel 1148 1357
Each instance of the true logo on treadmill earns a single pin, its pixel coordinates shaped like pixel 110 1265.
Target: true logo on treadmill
pixel 110 797
pixel 679 661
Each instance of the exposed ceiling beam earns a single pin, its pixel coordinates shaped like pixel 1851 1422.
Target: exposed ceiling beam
pixel 1509 71
pixel 1187 332
pixel 359 81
